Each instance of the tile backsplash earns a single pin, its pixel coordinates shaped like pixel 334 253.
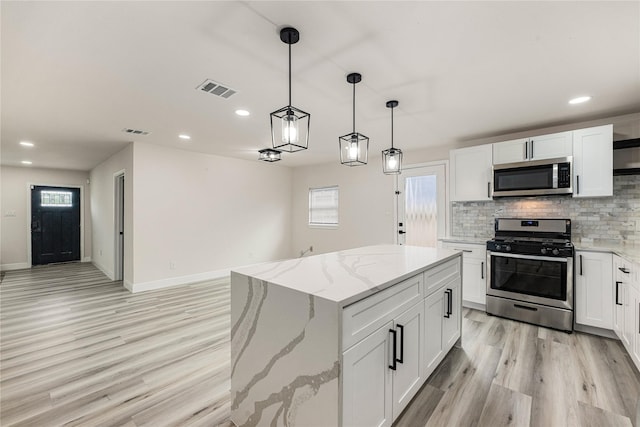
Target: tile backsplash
pixel 605 218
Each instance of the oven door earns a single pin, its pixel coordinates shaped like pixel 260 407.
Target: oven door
pixel 531 278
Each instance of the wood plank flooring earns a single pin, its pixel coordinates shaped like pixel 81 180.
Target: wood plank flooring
pixel 78 349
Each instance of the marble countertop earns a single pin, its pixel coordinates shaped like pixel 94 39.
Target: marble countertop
pixel 628 251
pixel 347 276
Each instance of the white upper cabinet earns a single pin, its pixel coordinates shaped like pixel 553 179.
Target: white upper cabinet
pixel 471 173
pixel 593 162
pixel 534 148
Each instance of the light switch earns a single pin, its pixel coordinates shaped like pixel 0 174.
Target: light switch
pixel 10 214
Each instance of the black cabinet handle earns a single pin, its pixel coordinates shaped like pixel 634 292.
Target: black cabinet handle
pixel 393 359
pixel 581 265
pixel 526 150
pixel 624 270
pixel 482 270
pixel 617 292
pixel 449 293
pixel 401 359
pixel 488 189
pixel 531 156
pixel 577 184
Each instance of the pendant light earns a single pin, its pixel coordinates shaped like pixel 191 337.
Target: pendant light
pixel 354 146
pixel 392 157
pixel 269 155
pixel 290 125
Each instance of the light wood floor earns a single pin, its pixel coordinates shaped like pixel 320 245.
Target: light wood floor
pixel 77 349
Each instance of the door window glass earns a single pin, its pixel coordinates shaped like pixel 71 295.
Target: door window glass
pixel 56 198
pixel 421 210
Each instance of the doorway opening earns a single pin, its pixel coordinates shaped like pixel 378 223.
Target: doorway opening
pixel 55 224
pixel 118 270
pixel 422 205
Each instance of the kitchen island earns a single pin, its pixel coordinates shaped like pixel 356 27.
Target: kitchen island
pixel 344 338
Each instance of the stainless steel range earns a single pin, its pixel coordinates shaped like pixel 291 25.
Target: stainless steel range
pixel 530 271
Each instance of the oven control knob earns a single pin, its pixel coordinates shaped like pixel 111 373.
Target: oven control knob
pixel 543 251
pixel 498 247
pixel 555 252
pixel 507 248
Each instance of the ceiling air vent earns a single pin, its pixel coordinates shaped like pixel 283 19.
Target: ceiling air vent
pixel 135 131
pixel 215 88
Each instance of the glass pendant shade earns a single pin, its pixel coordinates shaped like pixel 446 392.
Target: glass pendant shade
pixel 392 157
pixel 290 129
pixel 290 125
pixel 354 149
pixel 392 161
pixel 269 155
pixel 354 146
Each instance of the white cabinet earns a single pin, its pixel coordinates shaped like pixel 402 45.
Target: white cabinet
pixel 474 271
pixel 471 173
pixel 442 314
pixel 620 295
pixel 627 306
pixel 593 289
pixel 383 369
pixel 534 148
pixel 367 381
pixel 407 377
pixel 635 301
pixel 593 162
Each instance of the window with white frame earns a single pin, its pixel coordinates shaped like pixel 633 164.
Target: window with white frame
pixel 323 206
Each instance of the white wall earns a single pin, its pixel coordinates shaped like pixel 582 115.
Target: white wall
pixel 198 215
pixel 366 206
pixel 16 200
pixel 103 212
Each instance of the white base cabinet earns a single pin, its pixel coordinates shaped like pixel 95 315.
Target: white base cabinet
pixel 593 289
pixel 626 279
pixel 383 371
pixel 474 271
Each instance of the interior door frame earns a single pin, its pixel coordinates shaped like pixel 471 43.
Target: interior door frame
pixel 32 184
pixel 447 202
pixel 118 207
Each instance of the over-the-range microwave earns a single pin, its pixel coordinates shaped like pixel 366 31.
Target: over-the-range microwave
pixel 533 178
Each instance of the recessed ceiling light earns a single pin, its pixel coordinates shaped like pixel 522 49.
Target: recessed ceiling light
pixel 185 137
pixel 579 100
pixel 26 162
pixel 26 144
pixel 242 113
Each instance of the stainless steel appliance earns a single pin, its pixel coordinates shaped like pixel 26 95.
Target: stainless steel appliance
pixel 530 271
pixel 533 178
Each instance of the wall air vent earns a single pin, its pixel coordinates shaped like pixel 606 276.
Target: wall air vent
pixel 135 131
pixel 217 89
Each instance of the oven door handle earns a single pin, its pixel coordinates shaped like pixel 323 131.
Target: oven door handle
pixel 531 257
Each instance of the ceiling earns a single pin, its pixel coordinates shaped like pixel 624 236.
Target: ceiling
pixel 75 74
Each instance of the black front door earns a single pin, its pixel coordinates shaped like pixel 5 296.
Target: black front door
pixel 55 224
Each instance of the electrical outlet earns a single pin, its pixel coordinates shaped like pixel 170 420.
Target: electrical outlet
pixel 10 214
pixel 172 265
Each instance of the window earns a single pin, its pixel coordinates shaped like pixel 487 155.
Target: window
pixel 323 206
pixel 56 198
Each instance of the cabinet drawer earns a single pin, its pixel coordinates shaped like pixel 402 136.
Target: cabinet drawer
pixel 470 250
pixel 363 317
pixel 436 277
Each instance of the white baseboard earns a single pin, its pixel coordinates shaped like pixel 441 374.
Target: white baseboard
pixel 15 266
pixel 607 333
pixel 105 270
pixel 176 281
pixel 474 305
pixel 86 259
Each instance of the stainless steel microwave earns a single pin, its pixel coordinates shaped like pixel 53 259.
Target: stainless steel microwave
pixel 533 178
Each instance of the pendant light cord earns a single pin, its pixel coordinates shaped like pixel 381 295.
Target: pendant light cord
pixel 354 108
pixel 289 70
pixel 392 127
